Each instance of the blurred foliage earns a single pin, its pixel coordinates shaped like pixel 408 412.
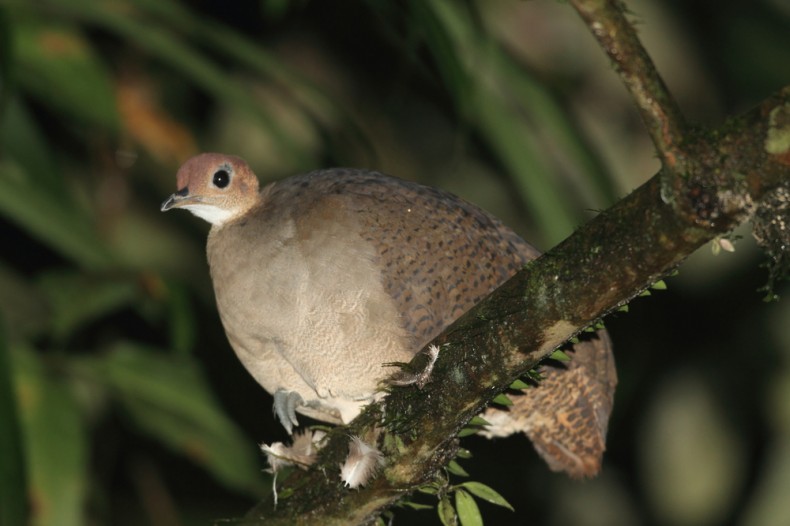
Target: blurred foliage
pixel 120 400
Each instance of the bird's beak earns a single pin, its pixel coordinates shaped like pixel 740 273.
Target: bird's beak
pixel 176 199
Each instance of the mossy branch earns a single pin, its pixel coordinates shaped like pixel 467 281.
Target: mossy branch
pixel 664 122
pixel 728 175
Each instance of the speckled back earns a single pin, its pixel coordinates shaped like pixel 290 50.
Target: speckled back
pixel 438 254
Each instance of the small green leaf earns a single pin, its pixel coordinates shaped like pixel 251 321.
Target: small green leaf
pixel 487 493
pixel 534 375
pixel 392 442
pixel 659 285
pixel 447 512
pixel 478 421
pixel 623 308
pixel 285 493
pixel 473 426
pixel 467 508
pixel 519 384
pixel 416 505
pixel 502 399
pixel 645 293
pixel 463 453
pixel 428 489
pixel 456 469
pixel 560 356
pixel 399 444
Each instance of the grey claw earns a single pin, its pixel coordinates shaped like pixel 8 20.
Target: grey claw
pixel 285 404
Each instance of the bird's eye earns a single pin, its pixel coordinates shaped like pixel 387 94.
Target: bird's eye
pixel 221 178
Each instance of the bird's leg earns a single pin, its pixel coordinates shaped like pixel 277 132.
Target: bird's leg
pixel 285 404
pixel 420 377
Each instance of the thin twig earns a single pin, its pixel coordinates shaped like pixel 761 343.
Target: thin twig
pixel 658 109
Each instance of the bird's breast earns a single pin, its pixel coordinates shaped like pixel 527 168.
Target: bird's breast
pixel 305 308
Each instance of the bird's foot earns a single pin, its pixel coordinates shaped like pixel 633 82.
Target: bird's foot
pixel 285 404
pixel 421 377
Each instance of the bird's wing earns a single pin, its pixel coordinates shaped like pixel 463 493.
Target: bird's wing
pixel 439 254
pixel 566 414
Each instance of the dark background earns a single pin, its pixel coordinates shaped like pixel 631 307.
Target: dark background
pixel 132 408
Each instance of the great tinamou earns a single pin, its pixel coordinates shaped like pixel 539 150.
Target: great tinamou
pixel 321 279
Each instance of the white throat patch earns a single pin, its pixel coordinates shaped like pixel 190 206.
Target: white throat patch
pixel 214 215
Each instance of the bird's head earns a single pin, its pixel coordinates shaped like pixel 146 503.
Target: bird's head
pixel 215 187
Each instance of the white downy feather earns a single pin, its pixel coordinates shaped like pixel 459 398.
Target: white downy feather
pixel 301 452
pixel 361 464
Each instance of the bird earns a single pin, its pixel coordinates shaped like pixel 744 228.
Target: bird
pixel 324 278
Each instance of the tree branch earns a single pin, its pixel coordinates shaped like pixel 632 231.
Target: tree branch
pixel 661 115
pixel 599 268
